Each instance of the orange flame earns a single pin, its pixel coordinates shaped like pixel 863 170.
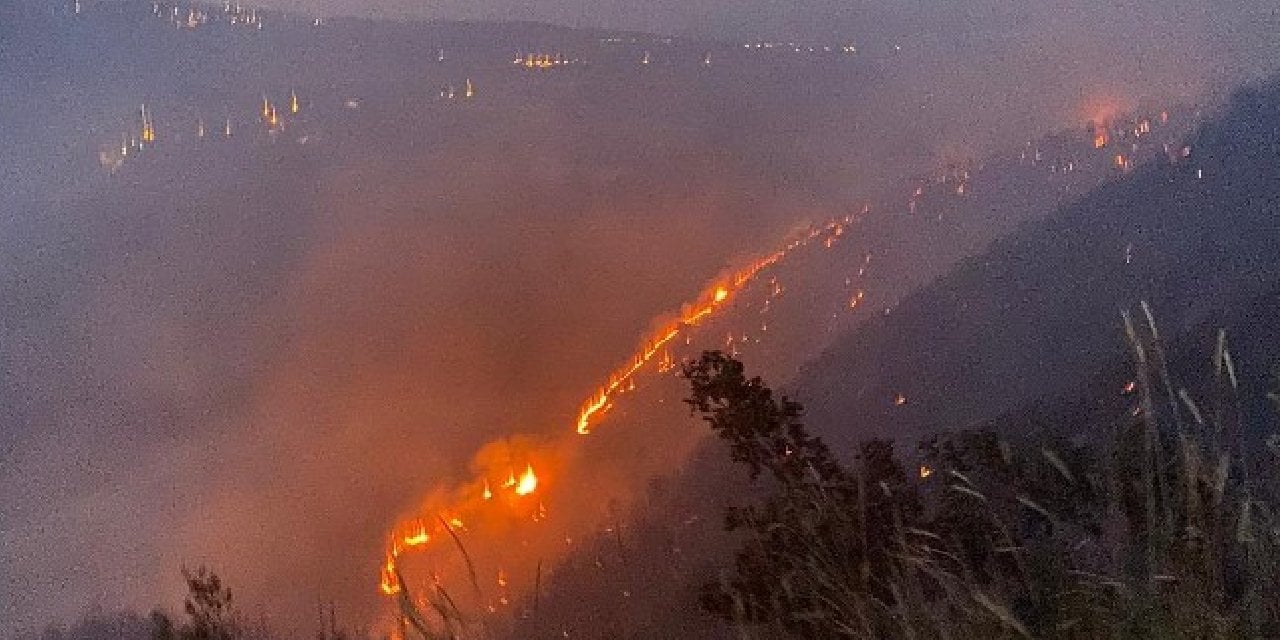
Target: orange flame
pixel 417 534
pixel 528 482
pixel 599 402
pixel 388 583
pixel 418 537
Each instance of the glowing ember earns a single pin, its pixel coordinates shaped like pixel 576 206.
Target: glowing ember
pixel 528 482
pixel 148 129
pixel 420 537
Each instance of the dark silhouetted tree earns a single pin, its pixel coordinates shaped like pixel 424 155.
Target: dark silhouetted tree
pixel 822 530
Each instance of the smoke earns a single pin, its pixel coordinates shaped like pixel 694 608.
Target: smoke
pixel 262 357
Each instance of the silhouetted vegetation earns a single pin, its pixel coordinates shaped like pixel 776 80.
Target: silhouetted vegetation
pixel 1160 527
pixel 211 614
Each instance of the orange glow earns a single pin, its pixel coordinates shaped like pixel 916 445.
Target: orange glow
pixel 1103 106
pixel 389 584
pixel 540 61
pixel 483 504
pixel 528 482
pixel 418 537
pixel 925 471
pixel 1099 139
pixel 148 131
pixel 598 403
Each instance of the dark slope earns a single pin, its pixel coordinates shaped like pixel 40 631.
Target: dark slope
pixel 1101 402
pixel 1040 311
pixel 640 575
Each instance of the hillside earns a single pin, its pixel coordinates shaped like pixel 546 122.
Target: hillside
pixel 1038 312
pixel 1024 338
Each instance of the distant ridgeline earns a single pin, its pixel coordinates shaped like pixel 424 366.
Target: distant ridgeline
pixel 1038 315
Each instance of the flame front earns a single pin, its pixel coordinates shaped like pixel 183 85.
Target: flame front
pixel 714 297
pixel 499 490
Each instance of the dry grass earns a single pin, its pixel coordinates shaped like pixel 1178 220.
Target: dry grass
pixel 1179 545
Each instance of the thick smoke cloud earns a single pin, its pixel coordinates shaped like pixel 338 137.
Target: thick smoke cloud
pixel 260 359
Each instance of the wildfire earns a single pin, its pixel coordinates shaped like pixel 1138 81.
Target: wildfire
pixel 148 129
pixel 515 494
pixel 715 296
pixel 541 60
pixel 418 538
pixel 518 497
pixel 528 482
pixel 389 583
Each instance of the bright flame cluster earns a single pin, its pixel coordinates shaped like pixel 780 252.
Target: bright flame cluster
pixel 419 532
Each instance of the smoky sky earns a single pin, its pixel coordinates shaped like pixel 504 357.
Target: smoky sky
pixel 855 20
pixel 260 355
